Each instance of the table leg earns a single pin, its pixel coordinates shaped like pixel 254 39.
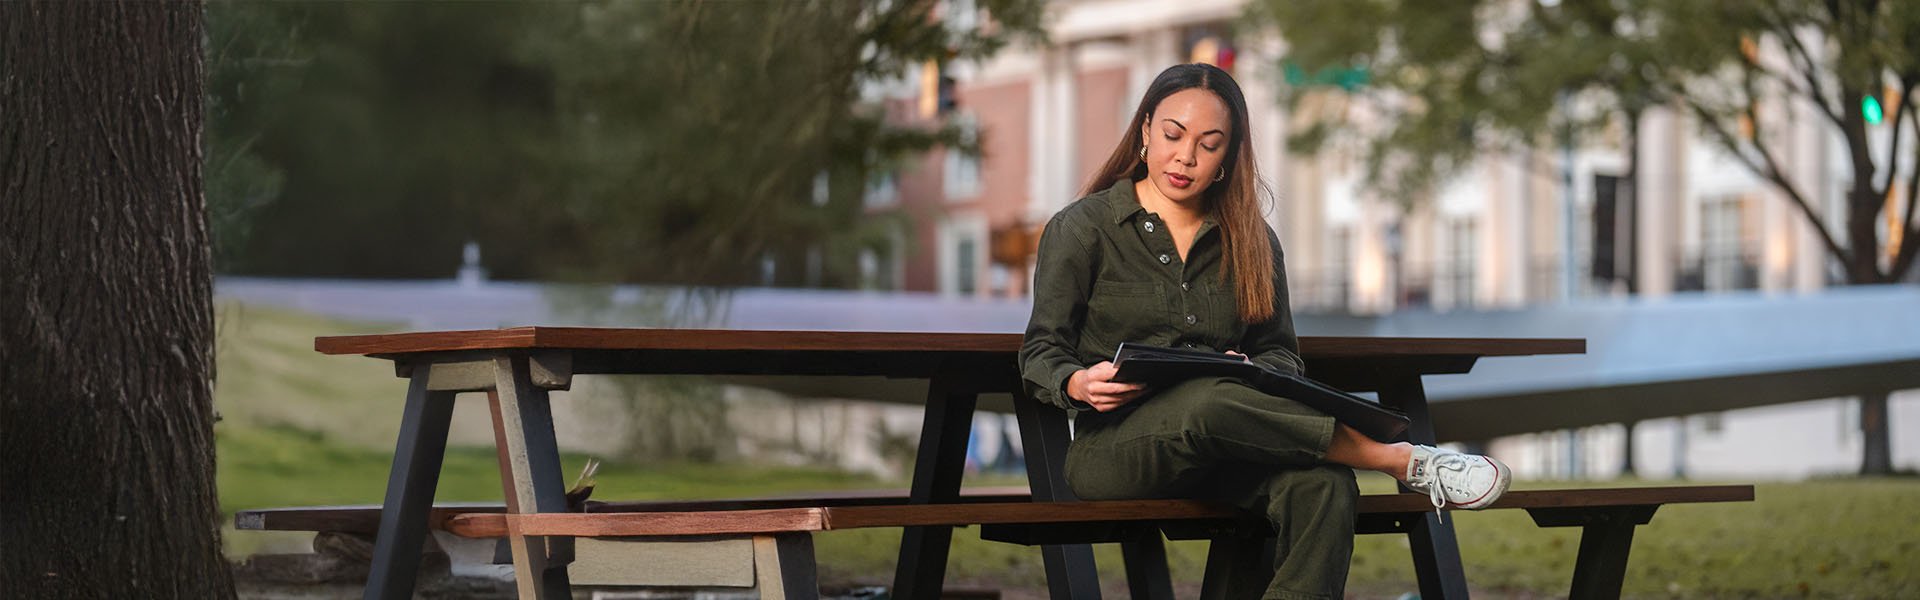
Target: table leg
pixel 523 418
pixel 1146 560
pixel 1606 539
pixel 1601 567
pixel 1043 435
pixel 1234 556
pixel 937 469
pixel 410 485
pixel 1436 553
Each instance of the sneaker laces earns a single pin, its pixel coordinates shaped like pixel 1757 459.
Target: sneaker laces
pixel 1442 460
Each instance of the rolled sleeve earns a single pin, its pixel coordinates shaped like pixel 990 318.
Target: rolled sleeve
pixel 1062 280
pixel 1273 342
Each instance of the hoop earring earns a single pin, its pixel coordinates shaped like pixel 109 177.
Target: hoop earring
pixel 1221 174
pixel 1143 152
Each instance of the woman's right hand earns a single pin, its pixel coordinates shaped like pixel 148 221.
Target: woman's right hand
pixel 1095 386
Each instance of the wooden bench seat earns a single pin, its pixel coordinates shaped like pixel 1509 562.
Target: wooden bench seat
pixel 781 534
pixel 364 519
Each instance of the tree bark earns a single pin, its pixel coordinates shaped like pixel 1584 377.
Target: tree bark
pixel 1876 454
pixel 106 329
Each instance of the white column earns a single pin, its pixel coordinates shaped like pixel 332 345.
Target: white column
pixel 1375 280
pixel 1505 233
pixel 1064 161
pixel 1040 205
pixel 1051 179
pixel 1659 194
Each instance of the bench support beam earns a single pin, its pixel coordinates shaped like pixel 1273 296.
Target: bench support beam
pixel 548 369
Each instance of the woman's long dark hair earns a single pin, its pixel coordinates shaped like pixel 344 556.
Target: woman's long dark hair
pixel 1234 202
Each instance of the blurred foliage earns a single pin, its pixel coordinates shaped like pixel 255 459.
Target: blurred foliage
pixel 1447 81
pixel 680 141
pixel 673 418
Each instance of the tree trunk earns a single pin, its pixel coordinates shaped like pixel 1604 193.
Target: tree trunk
pixel 106 331
pixel 1876 455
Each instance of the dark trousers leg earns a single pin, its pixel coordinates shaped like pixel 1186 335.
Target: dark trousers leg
pixel 1311 514
pixel 1071 573
pixel 1218 439
pixel 937 469
pixel 410 485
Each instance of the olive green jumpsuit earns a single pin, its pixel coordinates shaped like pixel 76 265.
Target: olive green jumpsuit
pixel 1107 273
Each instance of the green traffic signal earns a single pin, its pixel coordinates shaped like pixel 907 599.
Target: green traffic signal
pixel 1870 108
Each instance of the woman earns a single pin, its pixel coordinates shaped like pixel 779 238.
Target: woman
pixel 1168 247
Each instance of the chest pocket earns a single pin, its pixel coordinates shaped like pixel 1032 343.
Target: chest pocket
pixel 1124 311
pixel 1217 322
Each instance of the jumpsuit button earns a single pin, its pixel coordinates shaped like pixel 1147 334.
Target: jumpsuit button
pixel 1183 286
pixel 1149 226
pixel 1164 259
pixel 1191 319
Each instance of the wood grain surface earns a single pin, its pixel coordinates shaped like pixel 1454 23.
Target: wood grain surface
pixel 821 518
pixel 591 338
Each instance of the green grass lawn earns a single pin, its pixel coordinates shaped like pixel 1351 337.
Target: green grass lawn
pixel 305 429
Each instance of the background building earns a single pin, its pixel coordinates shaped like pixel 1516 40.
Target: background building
pixel 1514 232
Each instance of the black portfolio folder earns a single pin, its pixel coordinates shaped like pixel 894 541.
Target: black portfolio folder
pixel 1158 366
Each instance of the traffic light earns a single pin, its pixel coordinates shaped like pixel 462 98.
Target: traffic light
pixel 1870 109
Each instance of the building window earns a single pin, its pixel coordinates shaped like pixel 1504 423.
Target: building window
pixel 878 266
pixel 961 249
pixel 882 190
pixel 1725 263
pixel 1458 256
pixel 962 179
pixel 882 262
pixel 1336 281
pixel 1613 229
pixel 966 265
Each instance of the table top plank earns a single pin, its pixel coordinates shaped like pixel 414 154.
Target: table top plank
pixel 399 345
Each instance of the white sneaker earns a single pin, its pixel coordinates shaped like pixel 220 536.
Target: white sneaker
pixel 1467 481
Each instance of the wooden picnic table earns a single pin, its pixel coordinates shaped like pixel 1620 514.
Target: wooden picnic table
pixel 517 368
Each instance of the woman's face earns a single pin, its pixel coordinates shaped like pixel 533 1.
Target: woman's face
pixel 1187 137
